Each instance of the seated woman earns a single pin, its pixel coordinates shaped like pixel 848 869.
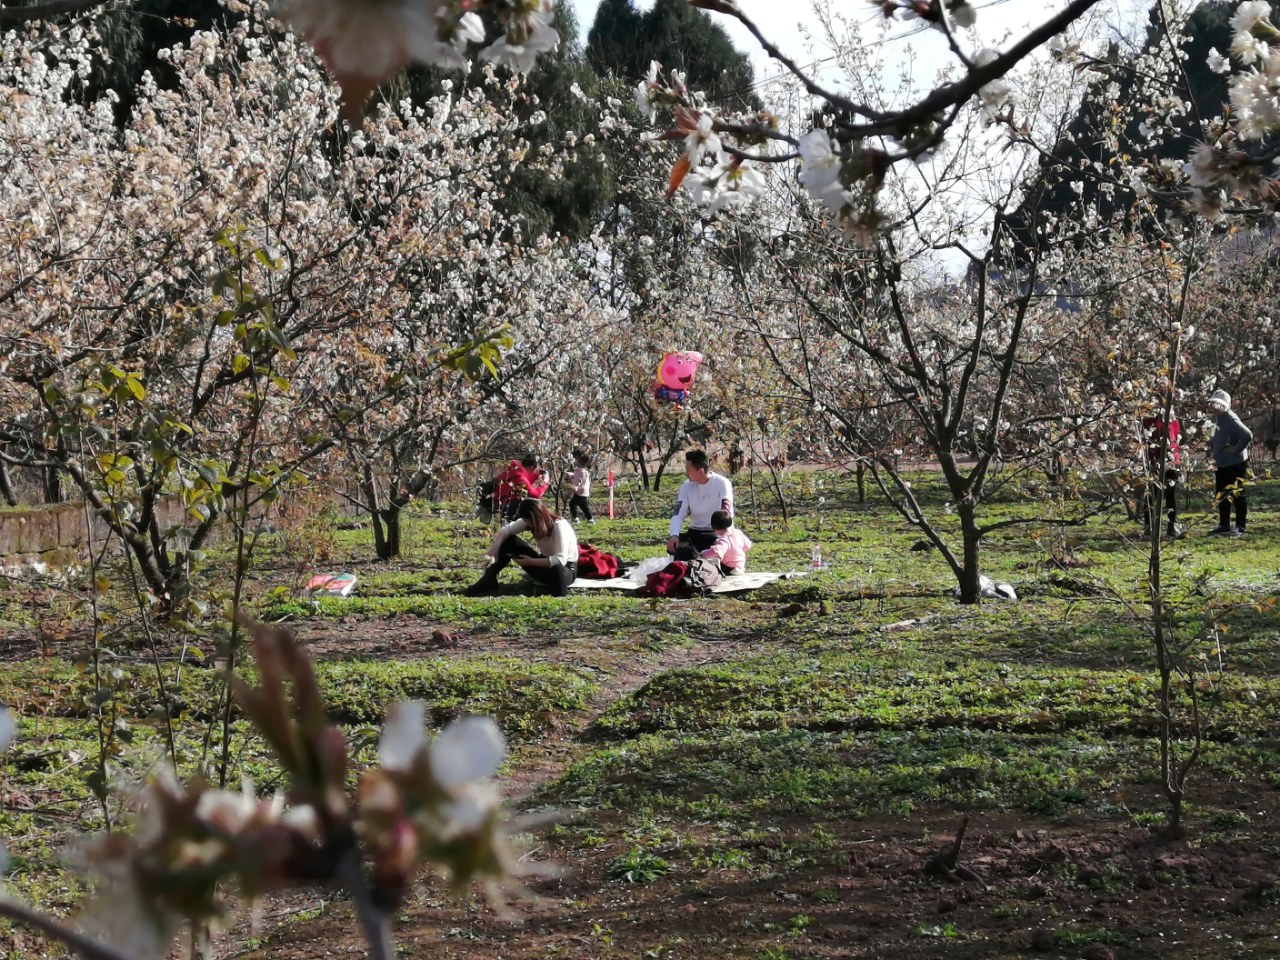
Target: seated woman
pixel 554 563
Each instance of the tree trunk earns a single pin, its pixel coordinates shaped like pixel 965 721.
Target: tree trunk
pixel 860 471
pixel 386 532
pixel 51 481
pixel 385 522
pixel 970 574
pixel 6 486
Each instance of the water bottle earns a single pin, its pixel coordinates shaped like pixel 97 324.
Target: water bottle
pixel 816 562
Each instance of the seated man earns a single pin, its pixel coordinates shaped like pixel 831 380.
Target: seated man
pixel 731 546
pixel 700 496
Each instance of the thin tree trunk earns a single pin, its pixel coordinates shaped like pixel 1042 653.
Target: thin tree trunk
pixel 387 534
pixel 52 484
pixel 970 573
pixel 6 486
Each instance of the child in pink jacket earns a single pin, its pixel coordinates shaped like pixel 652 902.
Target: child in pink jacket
pixel 731 545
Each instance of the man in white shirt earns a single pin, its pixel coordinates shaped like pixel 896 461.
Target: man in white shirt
pixel 700 496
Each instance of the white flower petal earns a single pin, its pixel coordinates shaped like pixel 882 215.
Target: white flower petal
pixel 403 734
pixel 466 750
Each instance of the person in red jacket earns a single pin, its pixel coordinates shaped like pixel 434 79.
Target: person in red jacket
pixel 519 480
pixel 1169 470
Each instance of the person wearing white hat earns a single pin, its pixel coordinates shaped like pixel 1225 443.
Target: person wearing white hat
pixel 1230 447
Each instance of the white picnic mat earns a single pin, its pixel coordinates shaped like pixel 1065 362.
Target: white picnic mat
pixel 737 583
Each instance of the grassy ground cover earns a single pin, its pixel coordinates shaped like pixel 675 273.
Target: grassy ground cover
pixel 764 777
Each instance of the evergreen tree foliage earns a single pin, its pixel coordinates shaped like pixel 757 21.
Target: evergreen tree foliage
pixel 623 41
pixel 1054 189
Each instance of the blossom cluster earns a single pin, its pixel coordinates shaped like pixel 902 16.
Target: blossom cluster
pixel 364 42
pixel 1223 169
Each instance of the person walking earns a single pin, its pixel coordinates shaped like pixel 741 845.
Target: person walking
pixel 580 485
pixel 1230 448
pixel 1271 437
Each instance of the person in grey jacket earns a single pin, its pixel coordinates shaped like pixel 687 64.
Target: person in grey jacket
pixel 1230 446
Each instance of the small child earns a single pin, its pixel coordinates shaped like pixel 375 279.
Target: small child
pixel 731 544
pixel 580 482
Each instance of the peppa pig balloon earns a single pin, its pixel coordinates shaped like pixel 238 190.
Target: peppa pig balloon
pixel 675 375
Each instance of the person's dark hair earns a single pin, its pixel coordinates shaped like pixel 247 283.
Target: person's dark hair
pixel 698 459
pixel 538 517
pixel 529 460
pixel 721 520
pixel 581 459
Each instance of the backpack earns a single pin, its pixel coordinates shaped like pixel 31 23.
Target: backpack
pixel 704 574
pixel 595 564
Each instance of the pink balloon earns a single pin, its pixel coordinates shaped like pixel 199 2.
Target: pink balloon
pixel 678 369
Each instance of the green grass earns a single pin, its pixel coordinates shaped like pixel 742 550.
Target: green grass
pixel 763 731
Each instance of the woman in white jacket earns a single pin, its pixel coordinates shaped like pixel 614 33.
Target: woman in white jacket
pixel 554 562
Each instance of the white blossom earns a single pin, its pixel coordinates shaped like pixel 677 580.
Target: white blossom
pixel 403 734
pixel 526 38
pixel 820 173
pixel 467 750
pixel 702 140
pixel 1218 63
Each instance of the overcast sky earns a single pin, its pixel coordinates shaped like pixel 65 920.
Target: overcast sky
pixel 785 24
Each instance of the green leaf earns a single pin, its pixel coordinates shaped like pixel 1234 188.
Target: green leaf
pixel 239 363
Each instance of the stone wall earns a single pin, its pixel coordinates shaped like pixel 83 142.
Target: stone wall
pixel 57 535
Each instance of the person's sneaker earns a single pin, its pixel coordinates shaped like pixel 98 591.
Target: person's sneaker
pixel 477 589
pixel 1238 532
pixel 592 520
pixel 1175 532
pixel 1221 531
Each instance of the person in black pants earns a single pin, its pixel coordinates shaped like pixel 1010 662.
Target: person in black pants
pixel 580 483
pixel 555 561
pixel 1230 446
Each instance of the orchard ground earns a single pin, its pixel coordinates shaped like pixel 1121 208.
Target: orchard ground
pixel 751 778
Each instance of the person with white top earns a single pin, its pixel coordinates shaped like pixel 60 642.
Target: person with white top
pixel 700 496
pixel 580 484
pixel 554 563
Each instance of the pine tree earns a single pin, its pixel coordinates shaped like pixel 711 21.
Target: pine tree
pixel 623 42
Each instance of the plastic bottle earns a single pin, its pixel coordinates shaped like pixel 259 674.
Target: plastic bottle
pixel 816 562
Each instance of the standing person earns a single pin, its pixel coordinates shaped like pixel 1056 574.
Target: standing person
pixel 1169 470
pixel 555 561
pixel 700 496
pixel 519 480
pixel 1230 447
pixel 731 546
pixel 1272 438
pixel 580 484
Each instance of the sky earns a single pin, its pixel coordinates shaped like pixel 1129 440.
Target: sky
pixel 786 25
pixel 914 53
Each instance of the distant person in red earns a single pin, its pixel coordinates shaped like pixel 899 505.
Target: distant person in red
pixel 519 480
pixel 1156 432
